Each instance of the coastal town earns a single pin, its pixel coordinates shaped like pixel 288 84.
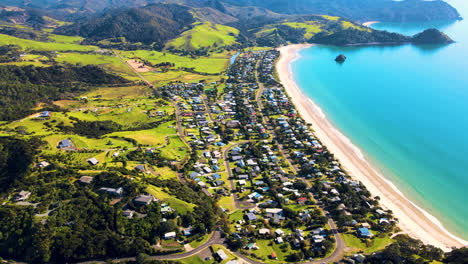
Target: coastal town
pixel 184 137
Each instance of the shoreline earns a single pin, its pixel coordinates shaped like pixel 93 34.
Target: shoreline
pixel 413 220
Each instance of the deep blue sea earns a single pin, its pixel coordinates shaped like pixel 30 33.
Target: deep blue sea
pixel 406 107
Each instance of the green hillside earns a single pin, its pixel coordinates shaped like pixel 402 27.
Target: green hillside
pixel 204 36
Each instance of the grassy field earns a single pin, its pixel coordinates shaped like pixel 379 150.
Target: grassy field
pixel 227 202
pixel 311 27
pixel 331 18
pixel 267 247
pixel 111 63
pixel 127 92
pixel 65 39
pixel 356 243
pixel 215 63
pixel 177 204
pixel 205 35
pixel 43 46
pixel 176 150
pixel 347 25
pixel 150 137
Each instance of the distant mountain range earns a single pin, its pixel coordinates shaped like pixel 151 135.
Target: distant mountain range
pixel 200 26
pixel 357 10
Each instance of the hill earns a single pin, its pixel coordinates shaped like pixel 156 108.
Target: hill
pixel 431 36
pixel 361 10
pixel 358 10
pixel 204 36
pixel 151 25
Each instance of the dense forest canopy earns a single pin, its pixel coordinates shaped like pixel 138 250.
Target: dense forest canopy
pixel 23 87
pixel 152 24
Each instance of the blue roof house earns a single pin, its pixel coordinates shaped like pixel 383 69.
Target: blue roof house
pixel 364 232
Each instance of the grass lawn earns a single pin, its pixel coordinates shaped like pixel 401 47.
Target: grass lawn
pixel 166 173
pixel 236 216
pixel 198 242
pixel 265 250
pixel 311 27
pixel 65 39
pixel 214 63
pixel 205 35
pixel 227 202
pixel 85 143
pixel 356 244
pixel 346 25
pixel 150 137
pixel 228 253
pixel 331 18
pixel 195 260
pixel 180 206
pixel 42 46
pixel 111 63
pixel 119 92
pixel 176 150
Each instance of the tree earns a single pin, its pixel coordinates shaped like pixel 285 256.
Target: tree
pixel 457 256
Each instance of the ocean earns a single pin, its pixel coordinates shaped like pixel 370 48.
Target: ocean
pixel 406 108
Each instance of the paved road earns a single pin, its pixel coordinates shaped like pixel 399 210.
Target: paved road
pixel 238 203
pixel 215 239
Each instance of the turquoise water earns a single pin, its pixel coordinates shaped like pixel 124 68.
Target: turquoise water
pixel 406 107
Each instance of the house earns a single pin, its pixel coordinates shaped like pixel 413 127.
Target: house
pixel 65 144
pixel 264 231
pixel 251 216
pixel 144 199
pixel 140 168
pixel 271 212
pixel 279 232
pixel 45 114
pixel 187 231
pixel 236 158
pixel 273 255
pixel 43 164
pixel 165 209
pixel 279 240
pixel 113 191
pixel 364 232
pixel 221 255
pixel 128 213
pixel 86 179
pixel 384 221
pixel 93 161
pixel 317 239
pixel 380 211
pixel 219 183
pixel 22 196
pixel 359 258
pixel 170 235
pixel 251 246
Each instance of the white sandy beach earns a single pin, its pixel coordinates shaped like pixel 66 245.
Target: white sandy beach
pixel 412 219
